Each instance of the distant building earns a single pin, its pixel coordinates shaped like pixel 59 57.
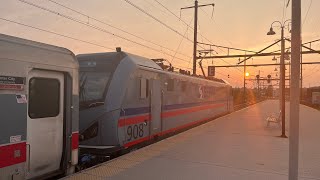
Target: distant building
pixel 313 95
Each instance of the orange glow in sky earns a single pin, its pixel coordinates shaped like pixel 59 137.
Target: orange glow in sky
pixel 234 23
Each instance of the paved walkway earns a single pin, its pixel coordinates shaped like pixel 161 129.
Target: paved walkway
pixel 236 146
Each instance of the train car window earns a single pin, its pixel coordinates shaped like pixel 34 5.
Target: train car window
pixel 170 86
pixel 44 98
pixel 184 86
pixel 196 89
pixel 144 88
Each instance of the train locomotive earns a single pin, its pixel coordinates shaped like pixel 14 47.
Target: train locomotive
pixel 127 100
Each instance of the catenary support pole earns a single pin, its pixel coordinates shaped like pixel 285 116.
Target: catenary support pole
pixel 294 90
pixel 195 39
pixel 195 29
pixel 244 82
pixel 301 84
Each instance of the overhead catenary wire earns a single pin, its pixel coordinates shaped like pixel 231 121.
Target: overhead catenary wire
pixel 305 17
pixel 228 41
pixel 119 37
pixel 284 12
pixel 217 47
pixel 112 26
pixel 202 36
pixel 156 19
pixel 308 78
pixel 55 33
pixel 186 32
pixel 179 18
pixel 213 20
pixel 233 79
pixel 193 29
pixel 311 72
pixel 153 5
pixel 65 36
pixel 97 28
pixel 161 22
pixel 221 49
pixel 163 6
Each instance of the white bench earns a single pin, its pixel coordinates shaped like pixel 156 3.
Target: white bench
pixel 274 119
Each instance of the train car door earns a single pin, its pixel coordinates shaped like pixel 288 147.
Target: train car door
pixel 155 107
pixel 45 122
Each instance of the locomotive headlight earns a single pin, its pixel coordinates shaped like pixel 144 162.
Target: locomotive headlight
pixel 91 132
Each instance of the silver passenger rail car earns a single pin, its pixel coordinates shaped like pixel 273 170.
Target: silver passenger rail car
pixel 39 109
pixel 126 100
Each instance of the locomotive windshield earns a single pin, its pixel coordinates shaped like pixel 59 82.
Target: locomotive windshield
pixel 92 88
pixel 96 72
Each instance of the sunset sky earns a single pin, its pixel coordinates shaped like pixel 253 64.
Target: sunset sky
pixel 235 23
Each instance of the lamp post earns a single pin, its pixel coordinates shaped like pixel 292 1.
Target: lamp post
pixel 282 74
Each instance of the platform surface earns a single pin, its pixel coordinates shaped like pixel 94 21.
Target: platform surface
pixel 237 146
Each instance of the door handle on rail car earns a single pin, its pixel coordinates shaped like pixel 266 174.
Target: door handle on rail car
pixel 145 122
pixel 70 139
pixel 29 157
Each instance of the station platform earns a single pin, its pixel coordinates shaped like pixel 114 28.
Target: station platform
pixel 236 146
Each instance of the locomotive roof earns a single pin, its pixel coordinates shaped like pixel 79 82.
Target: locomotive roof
pixel 139 61
pixel 34 52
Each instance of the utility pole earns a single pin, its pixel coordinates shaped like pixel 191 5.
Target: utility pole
pixel 195 36
pixel 294 90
